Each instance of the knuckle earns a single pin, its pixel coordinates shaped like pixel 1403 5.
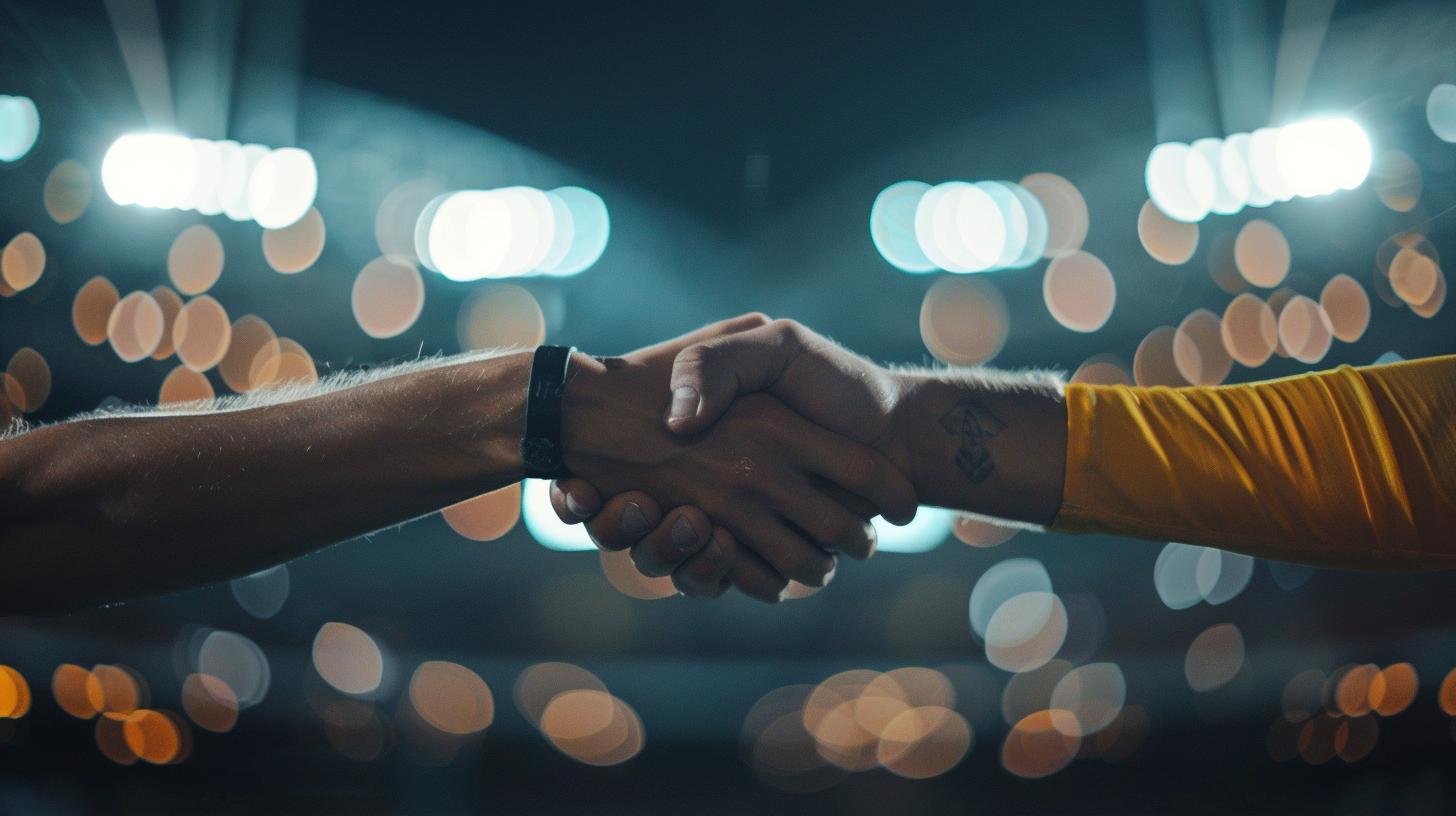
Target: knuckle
pixel 787 329
pixel 648 560
pixel 700 355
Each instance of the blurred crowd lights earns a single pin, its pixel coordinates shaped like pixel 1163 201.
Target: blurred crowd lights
pixel 273 187
pixel 1309 158
pixel 19 127
pixel 470 235
pixel 965 227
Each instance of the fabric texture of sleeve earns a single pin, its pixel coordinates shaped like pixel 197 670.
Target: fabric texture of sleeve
pixel 1354 467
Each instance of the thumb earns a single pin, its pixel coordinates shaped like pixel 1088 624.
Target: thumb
pixel 708 376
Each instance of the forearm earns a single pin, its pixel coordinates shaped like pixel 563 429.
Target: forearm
pixel 992 443
pixel 102 509
pixel 1350 468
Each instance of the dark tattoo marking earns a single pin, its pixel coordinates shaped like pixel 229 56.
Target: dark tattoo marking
pixel 973 424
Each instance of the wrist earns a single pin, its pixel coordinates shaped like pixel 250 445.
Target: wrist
pixel 481 416
pixel 612 411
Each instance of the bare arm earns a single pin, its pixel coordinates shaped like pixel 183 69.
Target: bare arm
pixel 988 444
pixel 102 509
pixel 107 508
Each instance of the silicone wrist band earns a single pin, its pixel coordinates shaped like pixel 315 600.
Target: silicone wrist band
pixel 541 452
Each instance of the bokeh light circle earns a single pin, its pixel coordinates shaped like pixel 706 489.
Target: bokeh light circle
pixel 91 309
pixel 451 698
pixel 23 261
pixel 135 327
pixel 500 316
pixel 1065 209
pixel 1153 362
pixel 294 248
pixel 1079 291
pixel 1305 330
pixel 1198 349
pixel 1215 657
pixel 1262 254
pixel 1249 330
pixel 347 658
pixel 1441 111
pixel 67 191
pixel 387 297
pixel 891 226
pixel 1180 182
pixel 1169 241
pixel 194 263
pixel 488 516
pixel 1348 307
pixel 19 127
pixel 281 187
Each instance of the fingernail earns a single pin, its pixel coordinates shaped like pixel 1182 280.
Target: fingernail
pixel 684 403
pixel 575 507
pixel 829 576
pixel 684 537
pixel 634 522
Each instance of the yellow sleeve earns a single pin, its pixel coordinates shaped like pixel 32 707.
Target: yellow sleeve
pixel 1354 467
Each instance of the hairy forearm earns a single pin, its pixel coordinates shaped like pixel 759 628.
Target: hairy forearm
pixel 102 509
pixel 993 443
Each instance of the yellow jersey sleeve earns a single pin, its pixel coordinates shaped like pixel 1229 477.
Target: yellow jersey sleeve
pixel 1354 467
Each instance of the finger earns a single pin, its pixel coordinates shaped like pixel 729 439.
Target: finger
pixel 859 469
pixel 831 526
pixel 855 504
pixel 756 578
pixel 574 500
pixel 705 574
pixel 708 376
pixel 682 533
pixel 789 553
pixel 732 325
pixel 624 520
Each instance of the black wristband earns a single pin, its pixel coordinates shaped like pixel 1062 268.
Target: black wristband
pixel 541 453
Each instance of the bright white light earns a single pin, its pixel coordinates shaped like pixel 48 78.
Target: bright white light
pixel 1264 164
pixel 979 226
pixel 1239 143
pixel 235 200
pixel 282 187
pixel 1180 182
pixel 1320 156
pixel 482 223
pixel 203 195
pixel 163 170
pixel 543 524
pixel 591 228
pixel 959 226
pixel 529 230
pixel 1037 228
pixel 19 127
pixel 150 170
pixel 892 226
pixel 930 527
pixel 1228 198
pixel 562 236
pixel 1013 220
pixel 1309 158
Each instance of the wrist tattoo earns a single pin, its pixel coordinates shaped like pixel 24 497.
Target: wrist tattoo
pixel 973 424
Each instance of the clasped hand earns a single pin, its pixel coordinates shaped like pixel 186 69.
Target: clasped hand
pixel 748 454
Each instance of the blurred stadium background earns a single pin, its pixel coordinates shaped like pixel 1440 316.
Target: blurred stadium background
pixel 654 166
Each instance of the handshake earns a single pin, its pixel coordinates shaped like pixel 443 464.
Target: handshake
pixel 753 452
